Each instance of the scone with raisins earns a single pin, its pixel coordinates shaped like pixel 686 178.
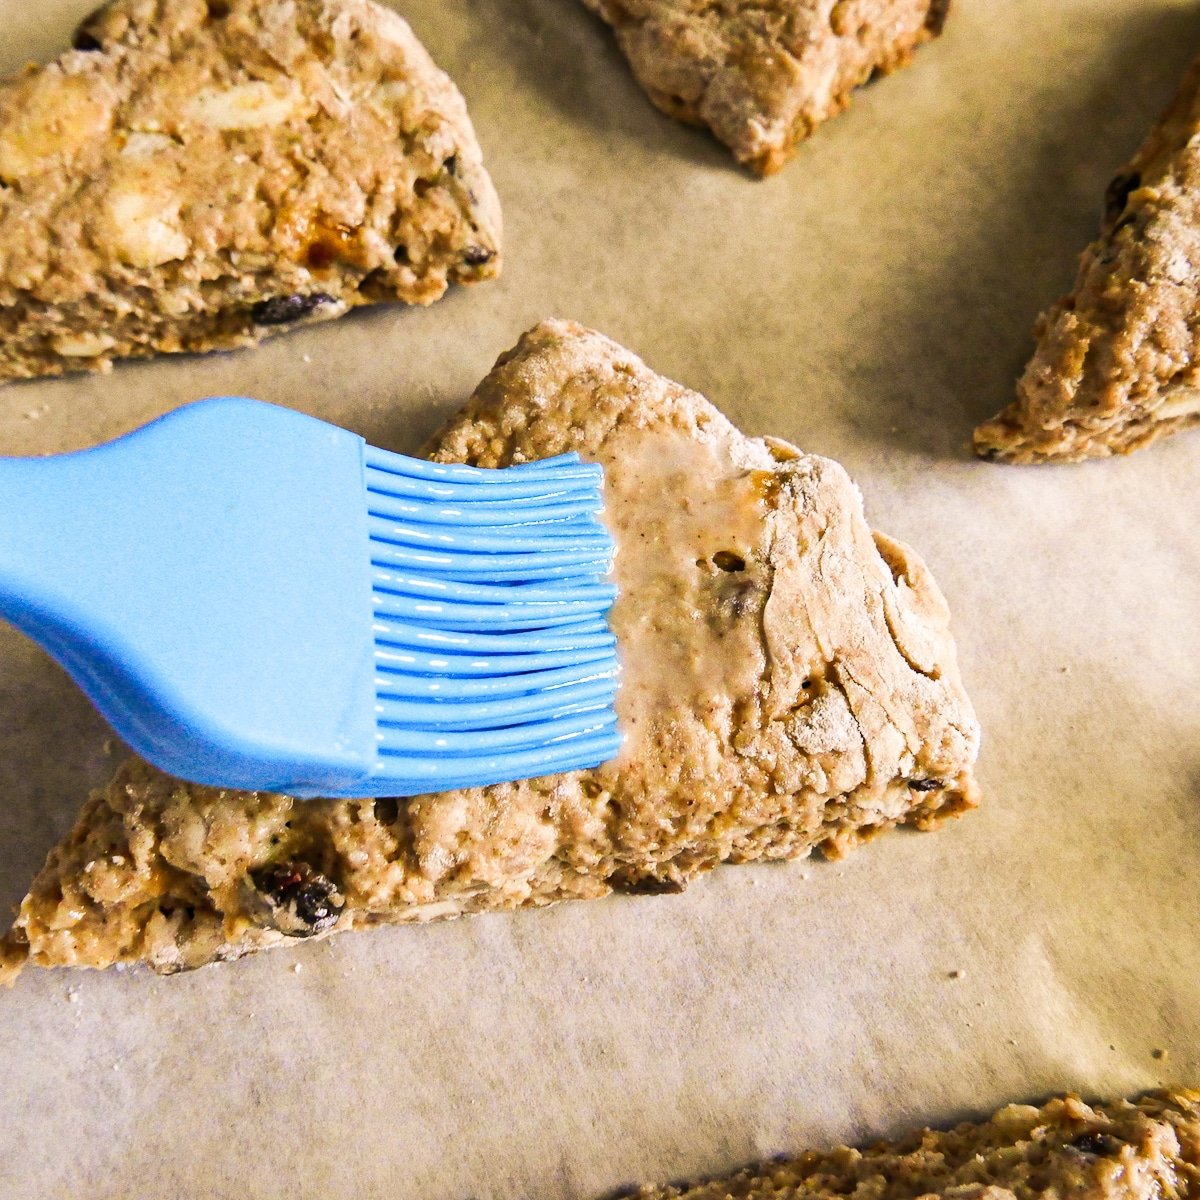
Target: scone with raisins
pixel 788 683
pixel 1146 1150
pixel 1117 363
pixel 197 176
pixel 763 74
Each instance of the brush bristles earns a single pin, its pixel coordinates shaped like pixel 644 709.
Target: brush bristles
pixel 493 661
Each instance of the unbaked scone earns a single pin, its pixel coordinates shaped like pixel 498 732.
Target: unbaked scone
pixel 1147 1150
pixel 788 682
pixel 199 175
pixel 763 74
pixel 1117 363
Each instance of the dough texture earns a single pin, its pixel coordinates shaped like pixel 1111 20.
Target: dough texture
pixel 789 682
pixel 201 174
pixel 763 74
pixel 1117 363
pixel 1146 1150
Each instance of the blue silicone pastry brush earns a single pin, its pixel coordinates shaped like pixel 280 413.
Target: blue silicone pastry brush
pixel 256 599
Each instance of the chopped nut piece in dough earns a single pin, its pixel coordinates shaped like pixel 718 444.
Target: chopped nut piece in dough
pixel 143 228
pixel 244 106
pixel 51 117
pixel 82 345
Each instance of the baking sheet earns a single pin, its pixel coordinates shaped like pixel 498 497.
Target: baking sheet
pixel 871 303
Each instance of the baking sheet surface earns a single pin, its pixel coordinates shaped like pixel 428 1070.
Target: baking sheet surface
pixel 871 303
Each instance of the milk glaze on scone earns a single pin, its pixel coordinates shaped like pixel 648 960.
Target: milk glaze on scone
pixel 1118 360
pixel 789 682
pixel 1147 1150
pixel 198 176
pixel 763 74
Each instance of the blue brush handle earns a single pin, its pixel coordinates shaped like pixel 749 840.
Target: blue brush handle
pixel 161 552
pixel 258 600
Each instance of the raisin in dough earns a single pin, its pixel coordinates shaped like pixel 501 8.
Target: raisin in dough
pixel 763 75
pixel 788 682
pixel 1117 363
pixel 198 176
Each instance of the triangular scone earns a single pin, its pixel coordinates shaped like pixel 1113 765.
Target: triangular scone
pixel 198 176
pixel 763 76
pixel 1118 360
pixel 789 681
pixel 1121 1151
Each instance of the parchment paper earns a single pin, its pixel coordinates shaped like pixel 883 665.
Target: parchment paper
pixel 871 303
